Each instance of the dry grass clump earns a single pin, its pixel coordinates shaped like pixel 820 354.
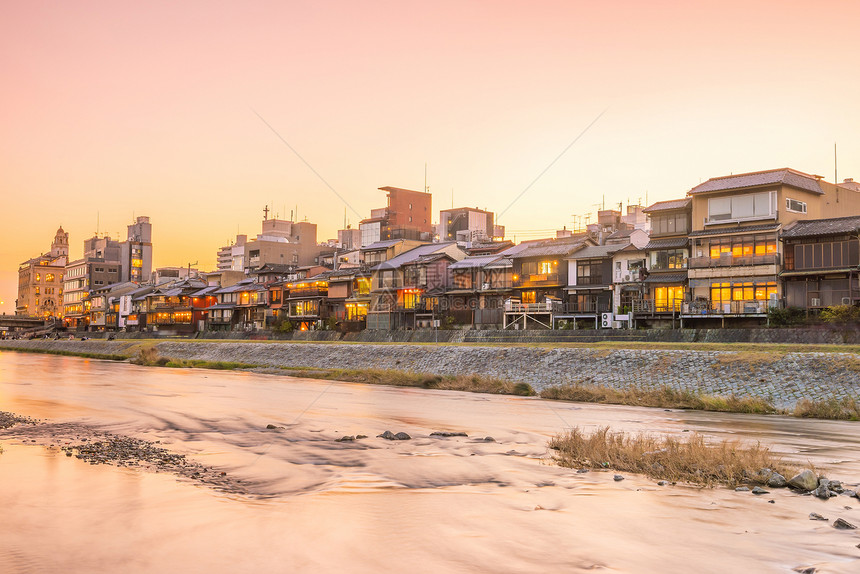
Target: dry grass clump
pixel 471 383
pixel 663 397
pixel 847 409
pixel 691 459
pixel 148 357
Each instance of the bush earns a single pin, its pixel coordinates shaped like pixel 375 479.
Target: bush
pixel 779 317
pixel 840 314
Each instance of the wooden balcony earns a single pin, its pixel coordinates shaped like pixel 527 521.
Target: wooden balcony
pixel 542 280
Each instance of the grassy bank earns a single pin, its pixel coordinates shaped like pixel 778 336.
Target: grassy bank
pixel 82 354
pixel 663 397
pixel 690 459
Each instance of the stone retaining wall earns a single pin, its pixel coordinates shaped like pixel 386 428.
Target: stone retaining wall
pixel 782 378
pixel 819 335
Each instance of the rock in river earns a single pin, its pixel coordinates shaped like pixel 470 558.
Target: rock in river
pixel 843 524
pixel 806 480
pixel 776 480
pixel 388 435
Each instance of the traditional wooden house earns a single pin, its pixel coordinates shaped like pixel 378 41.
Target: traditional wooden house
pixel 822 263
pixel 407 288
pixel 478 289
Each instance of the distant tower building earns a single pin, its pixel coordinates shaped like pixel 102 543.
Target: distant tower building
pixel 465 222
pixel 60 246
pixel 40 281
pixel 136 252
pixel 348 238
pixel 408 215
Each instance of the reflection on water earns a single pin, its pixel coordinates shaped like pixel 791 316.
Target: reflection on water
pixel 429 504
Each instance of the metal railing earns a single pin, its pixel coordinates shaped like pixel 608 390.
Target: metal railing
pixel 727 307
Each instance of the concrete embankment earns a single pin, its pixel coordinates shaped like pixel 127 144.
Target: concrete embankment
pixel 781 377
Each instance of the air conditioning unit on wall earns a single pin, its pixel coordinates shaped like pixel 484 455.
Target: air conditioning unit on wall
pixel 606 320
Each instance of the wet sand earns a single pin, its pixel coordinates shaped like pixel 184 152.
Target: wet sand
pixel 307 503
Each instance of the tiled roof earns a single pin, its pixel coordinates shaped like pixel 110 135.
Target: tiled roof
pixel 667 243
pixel 667 205
pixel 783 176
pixel 411 255
pixel 204 291
pixel 473 261
pixel 621 233
pixel 594 251
pixel 738 229
pixel 675 277
pixel 545 247
pixel 834 226
pixel 382 244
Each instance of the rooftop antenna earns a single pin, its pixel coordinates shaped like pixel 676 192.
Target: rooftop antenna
pixel 835 172
pixel 426 188
pixel 344 218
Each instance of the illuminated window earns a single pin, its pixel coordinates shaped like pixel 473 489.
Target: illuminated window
pixel 668 298
pixel 529 296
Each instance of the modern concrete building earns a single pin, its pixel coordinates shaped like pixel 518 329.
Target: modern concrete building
pixel 466 225
pixel 136 252
pixel 408 215
pixel 232 257
pixel 282 242
pixel 100 266
pixel 40 280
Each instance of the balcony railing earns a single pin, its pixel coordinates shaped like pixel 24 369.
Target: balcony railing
pixel 557 307
pixel 517 307
pixel 726 308
pixel 295 292
pixel 591 280
pixel 728 260
pixel 543 280
pixel 650 306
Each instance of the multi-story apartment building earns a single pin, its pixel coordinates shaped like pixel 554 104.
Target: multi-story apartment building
pixel 232 257
pixel 408 215
pixel 136 252
pixel 466 225
pixel 282 242
pixel 736 254
pixel 99 267
pixel 40 281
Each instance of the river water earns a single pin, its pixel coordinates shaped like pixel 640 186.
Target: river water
pixel 307 503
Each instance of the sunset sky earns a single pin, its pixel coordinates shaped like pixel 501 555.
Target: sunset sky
pixel 113 109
